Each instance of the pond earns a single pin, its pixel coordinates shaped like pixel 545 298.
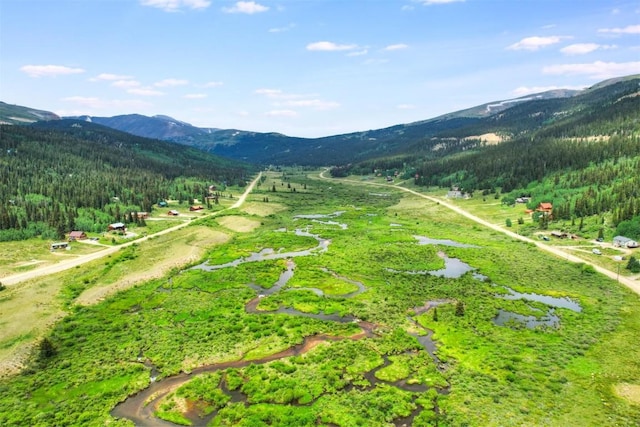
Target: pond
pixel 549 319
pixel 506 318
pixel 563 302
pixel 422 240
pixel 269 254
pixel 316 218
pixel 453 269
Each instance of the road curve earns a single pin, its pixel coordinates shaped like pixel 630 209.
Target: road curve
pixel 633 285
pixel 71 263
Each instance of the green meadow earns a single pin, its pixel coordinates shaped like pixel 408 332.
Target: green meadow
pixel 337 330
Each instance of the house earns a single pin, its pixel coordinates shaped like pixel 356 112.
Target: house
pixel 77 235
pixel 59 245
pixel 624 242
pixel 195 208
pixel 142 215
pixel 545 207
pixel 162 204
pixel 173 212
pixel 117 226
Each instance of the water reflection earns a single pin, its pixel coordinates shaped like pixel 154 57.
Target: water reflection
pixel 563 302
pixel 422 240
pixel 453 268
pixel 270 254
pixel 506 318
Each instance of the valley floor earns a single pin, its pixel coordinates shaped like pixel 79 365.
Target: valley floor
pixel 320 302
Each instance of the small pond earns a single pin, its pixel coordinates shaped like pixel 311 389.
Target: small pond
pixel 422 240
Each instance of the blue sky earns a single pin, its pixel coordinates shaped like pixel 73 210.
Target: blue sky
pixel 305 67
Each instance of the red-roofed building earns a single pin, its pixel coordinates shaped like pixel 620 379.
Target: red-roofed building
pixel 545 207
pixel 77 235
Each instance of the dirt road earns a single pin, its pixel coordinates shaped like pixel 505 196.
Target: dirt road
pixel 631 284
pixel 71 263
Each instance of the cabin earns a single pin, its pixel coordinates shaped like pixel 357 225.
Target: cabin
pixel 545 207
pixel 173 212
pixel 142 215
pixel 195 208
pixel 624 242
pixel 59 245
pixel 77 235
pixel 162 204
pixel 117 226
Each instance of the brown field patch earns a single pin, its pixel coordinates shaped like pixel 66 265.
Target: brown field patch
pixel 629 392
pixel 186 249
pixel 238 223
pixel 262 209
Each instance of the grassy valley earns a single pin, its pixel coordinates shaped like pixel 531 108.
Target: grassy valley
pixel 341 334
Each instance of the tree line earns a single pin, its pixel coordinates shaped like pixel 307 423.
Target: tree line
pixel 65 175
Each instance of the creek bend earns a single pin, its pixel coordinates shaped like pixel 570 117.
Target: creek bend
pixel 140 407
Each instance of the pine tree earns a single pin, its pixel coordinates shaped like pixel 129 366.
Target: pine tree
pixel 459 309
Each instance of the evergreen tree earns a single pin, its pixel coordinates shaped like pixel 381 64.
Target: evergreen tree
pixel 459 309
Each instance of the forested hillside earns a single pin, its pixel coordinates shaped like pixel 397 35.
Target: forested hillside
pixel 63 175
pixel 581 153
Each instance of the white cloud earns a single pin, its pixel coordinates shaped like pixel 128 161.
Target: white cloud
pixel 109 77
pixel 281 113
pixel 171 83
pixel 595 70
pixel 145 92
pixel 125 84
pixel 584 48
pixel 535 43
pixel 330 46
pixel 399 46
pixel 176 5
pixel 195 96
pixel 211 84
pixel 282 29
pixel 271 93
pixel 248 7
pixel 630 29
pixel 49 70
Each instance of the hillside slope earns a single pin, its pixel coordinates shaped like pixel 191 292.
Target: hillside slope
pixel 62 174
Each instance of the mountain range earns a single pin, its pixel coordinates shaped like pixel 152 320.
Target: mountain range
pixel 486 124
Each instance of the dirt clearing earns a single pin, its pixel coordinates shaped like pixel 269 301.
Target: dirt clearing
pixel 262 209
pixel 238 223
pixel 629 392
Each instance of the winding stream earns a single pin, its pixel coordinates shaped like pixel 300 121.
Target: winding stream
pixel 140 407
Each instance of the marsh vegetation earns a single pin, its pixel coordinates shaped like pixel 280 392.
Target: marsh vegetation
pixel 243 345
